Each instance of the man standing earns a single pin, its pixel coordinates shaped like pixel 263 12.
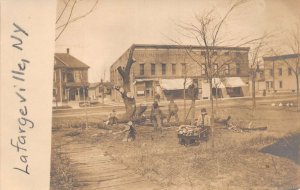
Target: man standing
pixel 173 110
pixel 205 123
pixel 156 117
pixel 157 97
pixel 113 117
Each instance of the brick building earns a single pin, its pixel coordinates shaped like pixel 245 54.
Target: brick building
pixel 162 69
pixel 278 73
pixel 70 78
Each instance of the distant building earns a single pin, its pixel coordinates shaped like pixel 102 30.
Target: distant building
pixel 259 79
pixel 98 88
pixel 70 78
pixel 278 73
pixel 161 69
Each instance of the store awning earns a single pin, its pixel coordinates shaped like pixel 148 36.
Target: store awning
pixel 175 84
pixel 143 80
pixel 217 83
pixel 232 82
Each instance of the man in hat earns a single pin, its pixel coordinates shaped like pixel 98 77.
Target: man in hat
pixel 113 117
pixel 173 109
pixel 156 117
pixel 204 123
pixel 204 119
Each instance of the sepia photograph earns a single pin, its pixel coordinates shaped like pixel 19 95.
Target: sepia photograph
pixel 176 95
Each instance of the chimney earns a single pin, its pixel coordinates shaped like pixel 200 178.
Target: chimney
pixel 68 51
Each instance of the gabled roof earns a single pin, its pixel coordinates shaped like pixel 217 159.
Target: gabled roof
pixel 281 57
pixel 67 60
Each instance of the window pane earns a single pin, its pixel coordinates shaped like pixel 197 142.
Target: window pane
pixel 271 72
pixel 290 71
pixel 152 69
pixel 142 71
pixel 238 68
pixel 215 67
pixel 280 84
pixel 280 71
pixel 226 70
pixel 173 69
pixel 163 69
pixel 183 68
pixel 203 70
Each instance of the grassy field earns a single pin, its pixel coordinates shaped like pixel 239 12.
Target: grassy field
pixel 239 160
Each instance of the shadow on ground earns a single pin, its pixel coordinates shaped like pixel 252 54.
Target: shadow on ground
pixel 287 147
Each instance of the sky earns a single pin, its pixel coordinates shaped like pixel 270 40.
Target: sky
pixel 103 36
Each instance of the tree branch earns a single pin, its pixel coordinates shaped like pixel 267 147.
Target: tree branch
pixel 63 11
pixel 79 17
pixel 70 15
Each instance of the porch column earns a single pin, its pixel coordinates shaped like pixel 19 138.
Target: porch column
pixel 68 94
pixel 60 86
pixel 78 94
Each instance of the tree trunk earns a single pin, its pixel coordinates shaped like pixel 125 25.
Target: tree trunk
pixel 212 113
pixel 193 110
pixel 253 96
pixel 297 80
pixel 184 101
pixel 217 94
pixel 129 102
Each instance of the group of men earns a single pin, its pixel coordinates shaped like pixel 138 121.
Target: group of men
pixel 156 117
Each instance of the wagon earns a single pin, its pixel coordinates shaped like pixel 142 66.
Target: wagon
pixel 188 135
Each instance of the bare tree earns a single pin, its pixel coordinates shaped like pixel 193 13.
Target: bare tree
pixel 207 33
pixel 66 15
pixel 128 98
pixel 258 51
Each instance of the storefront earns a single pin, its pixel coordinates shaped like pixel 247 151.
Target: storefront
pixel 174 88
pixel 225 88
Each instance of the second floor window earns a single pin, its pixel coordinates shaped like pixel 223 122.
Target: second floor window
pixel 238 68
pixel 216 68
pixel 261 74
pixel 203 69
pixel 226 69
pixel 280 84
pixel 290 71
pixel 163 69
pixel 280 71
pixel 271 72
pixel 183 69
pixel 152 69
pixel 142 69
pixel 269 84
pixel 77 76
pixel 173 69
